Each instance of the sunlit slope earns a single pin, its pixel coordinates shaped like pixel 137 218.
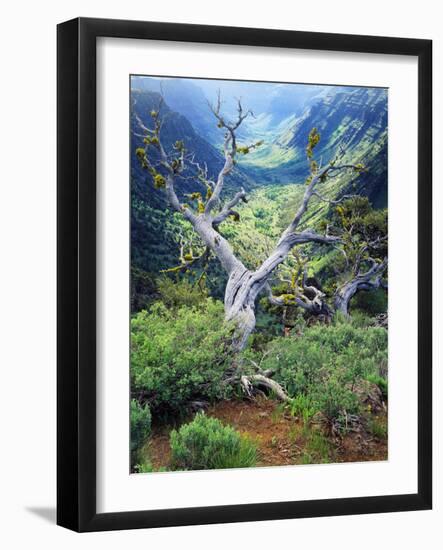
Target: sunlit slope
pixel 273 175
pixel 356 120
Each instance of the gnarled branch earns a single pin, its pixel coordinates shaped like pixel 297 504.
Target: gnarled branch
pixel 229 147
pixel 369 280
pixel 228 208
pixel 247 382
pixel 313 305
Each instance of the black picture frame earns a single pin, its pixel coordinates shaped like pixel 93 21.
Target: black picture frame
pixel 76 281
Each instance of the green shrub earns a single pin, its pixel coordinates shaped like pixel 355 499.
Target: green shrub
pixel 317 449
pixel 300 363
pixel 140 424
pixel 146 467
pixel 303 405
pixel 358 319
pixel 321 369
pixel 335 400
pixel 177 355
pixel 205 443
pixel 378 428
pixel 372 303
pixel 181 292
pixel 381 382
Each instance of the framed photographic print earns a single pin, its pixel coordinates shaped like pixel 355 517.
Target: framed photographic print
pixel 244 274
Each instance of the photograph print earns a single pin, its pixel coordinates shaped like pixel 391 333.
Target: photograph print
pixel 259 274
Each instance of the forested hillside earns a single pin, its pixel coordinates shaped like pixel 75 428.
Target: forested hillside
pixel 357 117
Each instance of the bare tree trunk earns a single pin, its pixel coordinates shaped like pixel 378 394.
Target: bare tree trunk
pixel 244 319
pixel 344 295
pixel 240 305
pixel 370 280
pixel 243 285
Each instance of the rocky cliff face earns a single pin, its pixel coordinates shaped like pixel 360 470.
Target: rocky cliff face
pixel 359 120
pixel 356 118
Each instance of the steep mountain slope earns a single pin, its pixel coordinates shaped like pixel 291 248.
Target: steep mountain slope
pixel 270 103
pixel 153 234
pixel 283 116
pixel 186 98
pixel 273 174
pixel 290 101
pixel 354 117
pixel 175 126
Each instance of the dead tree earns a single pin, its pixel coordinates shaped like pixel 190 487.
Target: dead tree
pixel 205 211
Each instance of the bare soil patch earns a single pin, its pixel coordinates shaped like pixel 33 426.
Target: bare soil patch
pixel 281 438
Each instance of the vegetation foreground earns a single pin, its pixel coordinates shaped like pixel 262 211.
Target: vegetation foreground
pixel 185 416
